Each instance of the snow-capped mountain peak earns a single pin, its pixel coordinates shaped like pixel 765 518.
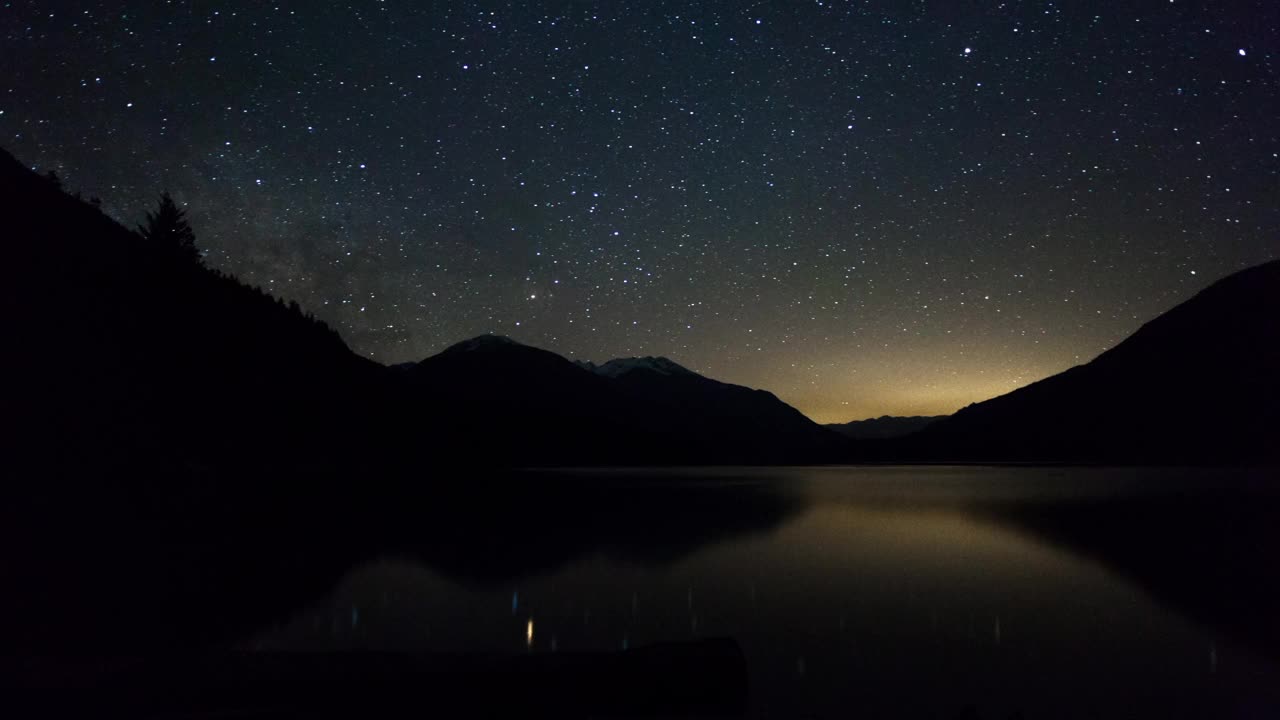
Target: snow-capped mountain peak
pixel 622 366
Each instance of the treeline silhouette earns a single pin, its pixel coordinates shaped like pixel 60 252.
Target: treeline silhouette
pixel 179 446
pixel 187 451
pixel 133 360
pixel 152 380
pixel 139 375
pixel 180 435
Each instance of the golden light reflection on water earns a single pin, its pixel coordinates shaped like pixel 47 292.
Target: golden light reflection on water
pixel 902 578
pixel 928 542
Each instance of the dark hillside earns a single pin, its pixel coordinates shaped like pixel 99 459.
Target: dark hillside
pixel 134 371
pixel 1199 384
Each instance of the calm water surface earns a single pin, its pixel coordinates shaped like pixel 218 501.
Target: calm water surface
pixel 881 592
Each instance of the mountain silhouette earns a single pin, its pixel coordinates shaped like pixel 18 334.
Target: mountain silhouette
pixel 138 362
pixel 504 402
pixel 1198 384
pixel 164 420
pixel 152 374
pixel 621 366
pixel 884 427
pixel 532 406
pixel 192 390
pixel 726 420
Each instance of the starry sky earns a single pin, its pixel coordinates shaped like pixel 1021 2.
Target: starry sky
pixel 865 207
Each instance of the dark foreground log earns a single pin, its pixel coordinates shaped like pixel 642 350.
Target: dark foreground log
pixel 697 679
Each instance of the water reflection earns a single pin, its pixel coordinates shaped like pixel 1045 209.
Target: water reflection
pixel 1205 548
pixel 903 592
pixel 538 524
pixel 886 592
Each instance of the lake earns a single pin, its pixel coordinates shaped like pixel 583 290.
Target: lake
pixel 970 592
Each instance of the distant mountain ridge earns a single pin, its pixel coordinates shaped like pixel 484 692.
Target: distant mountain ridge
pixel 547 409
pixel 194 374
pixel 172 427
pixel 621 366
pixel 1198 384
pixel 884 427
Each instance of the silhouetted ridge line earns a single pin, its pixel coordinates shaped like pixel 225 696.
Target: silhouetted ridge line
pixel 532 406
pixel 1198 384
pixel 137 360
pixel 194 374
pixel 134 356
pixel 884 427
pixel 621 366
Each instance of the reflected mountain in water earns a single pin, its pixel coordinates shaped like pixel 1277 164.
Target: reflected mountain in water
pixel 1004 590
pixel 124 591
pixel 498 532
pixel 975 583
pixel 1207 553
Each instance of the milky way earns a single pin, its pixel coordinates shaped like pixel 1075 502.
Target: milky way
pixel 864 207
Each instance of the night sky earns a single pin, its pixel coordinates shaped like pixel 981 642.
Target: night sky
pixel 865 207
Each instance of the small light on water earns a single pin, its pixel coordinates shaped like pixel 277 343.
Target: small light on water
pixel 528 634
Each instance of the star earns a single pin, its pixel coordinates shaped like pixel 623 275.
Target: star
pixel 681 187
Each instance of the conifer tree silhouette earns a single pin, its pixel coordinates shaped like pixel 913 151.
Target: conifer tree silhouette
pixel 168 228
